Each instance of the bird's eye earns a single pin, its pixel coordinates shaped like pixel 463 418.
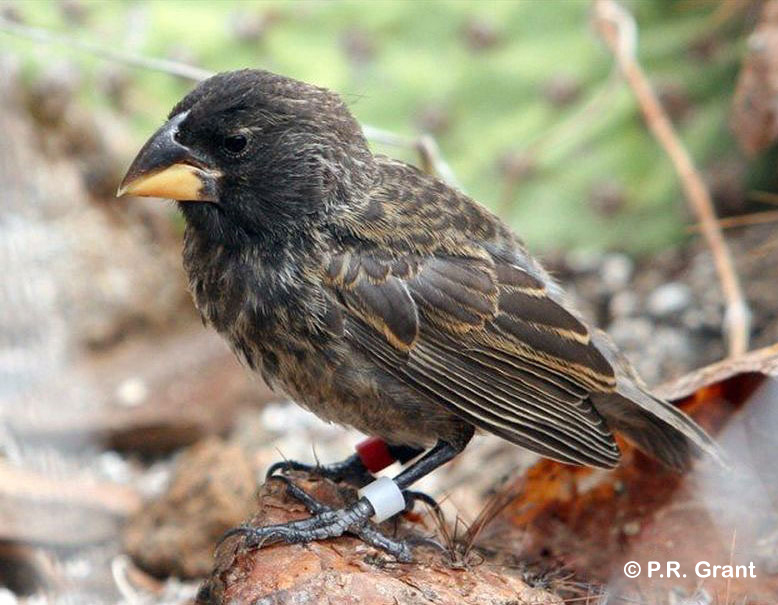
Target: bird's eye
pixel 235 143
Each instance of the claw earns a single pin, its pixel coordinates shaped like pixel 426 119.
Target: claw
pixel 235 531
pixel 350 470
pixel 312 504
pixel 411 497
pixel 325 523
pixel 288 465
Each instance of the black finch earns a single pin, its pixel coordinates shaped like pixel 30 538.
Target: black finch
pixel 379 297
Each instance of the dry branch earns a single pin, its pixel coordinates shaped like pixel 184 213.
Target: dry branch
pixel 618 29
pixel 744 220
pixel 113 498
pixel 38 509
pixel 425 145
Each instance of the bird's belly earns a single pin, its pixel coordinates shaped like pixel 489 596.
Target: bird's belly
pixel 345 389
pixel 327 376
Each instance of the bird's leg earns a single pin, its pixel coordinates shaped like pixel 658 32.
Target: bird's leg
pixel 372 456
pixel 327 522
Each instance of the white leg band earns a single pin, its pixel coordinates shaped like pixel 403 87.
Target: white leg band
pixel 385 497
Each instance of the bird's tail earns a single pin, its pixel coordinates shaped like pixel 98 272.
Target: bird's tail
pixel 655 426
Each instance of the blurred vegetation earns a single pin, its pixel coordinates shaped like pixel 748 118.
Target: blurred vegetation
pixel 503 86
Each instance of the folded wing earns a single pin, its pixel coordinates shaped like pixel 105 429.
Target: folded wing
pixel 483 338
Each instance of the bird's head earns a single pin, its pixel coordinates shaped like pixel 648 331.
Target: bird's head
pixel 249 152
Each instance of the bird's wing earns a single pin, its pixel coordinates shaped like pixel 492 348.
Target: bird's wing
pixel 481 337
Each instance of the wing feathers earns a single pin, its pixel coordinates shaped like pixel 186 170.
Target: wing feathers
pixel 485 341
pixel 388 307
pixel 541 437
pixel 522 408
pixel 456 293
pixel 543 313
pixel 569 356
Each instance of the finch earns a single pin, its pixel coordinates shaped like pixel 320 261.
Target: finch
pixel 377 296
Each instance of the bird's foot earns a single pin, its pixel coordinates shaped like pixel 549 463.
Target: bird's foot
pixel 325 523
pixel 351 470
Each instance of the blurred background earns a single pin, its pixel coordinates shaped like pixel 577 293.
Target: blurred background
pixel 106 374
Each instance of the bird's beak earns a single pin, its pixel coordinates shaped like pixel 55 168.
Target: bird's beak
pixel 165 168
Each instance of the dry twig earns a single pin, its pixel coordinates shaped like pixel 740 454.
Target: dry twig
pixel 743 220
pixel 39 34
pixel 618 29
pixel 425 145
pixel 766 197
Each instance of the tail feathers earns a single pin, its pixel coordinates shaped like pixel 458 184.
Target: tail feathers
pixel 656 427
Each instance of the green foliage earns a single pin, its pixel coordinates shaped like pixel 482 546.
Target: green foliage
pixel 412 55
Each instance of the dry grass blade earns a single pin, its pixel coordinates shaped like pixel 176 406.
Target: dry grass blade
pixel 618 29
pixel 494 506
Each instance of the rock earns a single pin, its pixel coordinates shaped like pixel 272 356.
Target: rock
pixel 583 260
pixel 131 392
pixel 211 491
pixel 669 299
pixel 345 570
pixel 623 304
pixel 616 271
pixel 631 332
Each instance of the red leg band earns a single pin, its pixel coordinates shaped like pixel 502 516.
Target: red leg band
pixel 374 454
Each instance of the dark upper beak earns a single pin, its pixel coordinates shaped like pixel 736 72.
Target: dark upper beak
pixel 165 168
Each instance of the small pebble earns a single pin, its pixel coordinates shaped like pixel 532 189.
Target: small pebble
pixel 623 304
pixel 132 392
pixel 632 528
pixel 669 299
pixel 583 261
pixel 114 467
pixel 678 596
pixel 7 597
pixel 78 568
pixel 616 271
